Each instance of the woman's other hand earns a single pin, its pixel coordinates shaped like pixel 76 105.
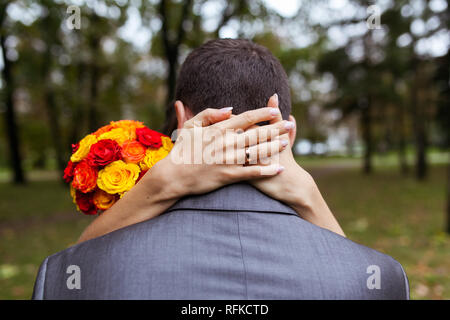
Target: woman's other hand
pixel 211 150
pixel 296 187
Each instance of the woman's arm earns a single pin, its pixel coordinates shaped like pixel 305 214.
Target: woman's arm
pixel 296 188
pixel 305 198
pixel 175 176
pixel 146 200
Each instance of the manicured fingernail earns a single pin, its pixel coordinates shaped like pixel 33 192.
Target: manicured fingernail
pixel 274 112
pixel 289 125
pixel 275 96
pixel 284 142
pixel 226 109
pixel 280 169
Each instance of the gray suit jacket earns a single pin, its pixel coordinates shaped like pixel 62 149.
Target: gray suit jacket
pixel 233 243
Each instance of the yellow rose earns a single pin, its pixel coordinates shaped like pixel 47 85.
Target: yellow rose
pixel 118 177
pixel 119 135
pixel 103 200
pixel 147 162
pixel 159 154
pixel 152 156
pixel 73 194
pixel 167 143
pixel 84 148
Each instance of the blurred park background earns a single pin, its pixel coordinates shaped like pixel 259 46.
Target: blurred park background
pixel 370 92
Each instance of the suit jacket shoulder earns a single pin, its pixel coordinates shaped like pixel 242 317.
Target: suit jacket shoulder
pixel 234 243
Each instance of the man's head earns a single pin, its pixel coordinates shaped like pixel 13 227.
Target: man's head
pixel 230 73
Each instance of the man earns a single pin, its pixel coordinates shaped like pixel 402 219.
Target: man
pixel 234 242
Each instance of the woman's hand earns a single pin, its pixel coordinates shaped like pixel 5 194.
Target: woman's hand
pixel 210 154
pixel 296 188
pixel 180 173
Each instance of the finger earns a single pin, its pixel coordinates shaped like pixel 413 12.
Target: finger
pixel 274 103
pixel 265 133
pixel 257 154
pixel 265 150
pixel 208 117
pixel 249 118
pixel 256 171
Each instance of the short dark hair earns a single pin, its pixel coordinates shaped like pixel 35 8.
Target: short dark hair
pixel 232 73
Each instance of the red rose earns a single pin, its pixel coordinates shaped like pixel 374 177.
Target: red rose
pixel 68 172
pixel 75 147
pixel 148 137
pixel 84 177
pixel 85 203
pixel 104 152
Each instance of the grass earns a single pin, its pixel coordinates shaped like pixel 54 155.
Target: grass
pixel 385 211
pixel 35 221
pixel 398 216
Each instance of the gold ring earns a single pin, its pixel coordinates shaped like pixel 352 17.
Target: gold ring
pixel 247 155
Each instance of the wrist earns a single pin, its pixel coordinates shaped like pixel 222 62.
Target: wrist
pixel 161 182
pixel 305 196
pixel 300 190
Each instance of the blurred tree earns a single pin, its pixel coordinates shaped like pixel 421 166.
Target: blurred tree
pixel 359 75
pixel 418 117
pixel 442 78
pixel 180 25
pixel 8 92
pixel 421 68
pixel 396 63
pixel 76 80
pixel 377 70
pixel 355 92
pixel 49 27
pixel 94 63
pixel 94 47
pixel 172 36
pixel 183 28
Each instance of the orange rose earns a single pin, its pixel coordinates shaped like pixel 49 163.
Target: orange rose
pixel 84 177
pixel 129 126
pixel 103 200
pixel 133 151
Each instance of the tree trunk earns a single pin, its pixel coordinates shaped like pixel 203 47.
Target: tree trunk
pixel 93 119
pixel 171 50
pixel 52 111
pixel 92 113
pixel 421 168
pixel 421 161
pixel 404 169
pixel 448 198
pixel 78 107
pixel 366 127
pixel 171 121
pixel 10 116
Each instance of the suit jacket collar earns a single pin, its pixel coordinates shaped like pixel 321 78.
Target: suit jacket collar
pixel 235 197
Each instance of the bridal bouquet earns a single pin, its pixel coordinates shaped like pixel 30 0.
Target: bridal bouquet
pixel 107 163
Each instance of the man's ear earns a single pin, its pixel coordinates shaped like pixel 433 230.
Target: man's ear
pixel 183 113
pixel 293 132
